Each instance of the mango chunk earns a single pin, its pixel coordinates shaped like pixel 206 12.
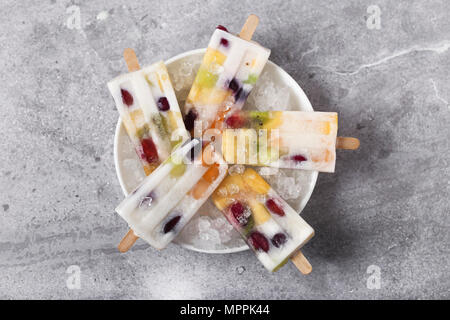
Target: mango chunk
pixel 254 181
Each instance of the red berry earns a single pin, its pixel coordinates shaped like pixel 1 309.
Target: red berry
pixel 258 241
pixel 222 28
pixel 149 149
pixel 238 212
pixel 163 104
pixel 190 118
pixel 274 207
pixel 298 158
pixel 224 42
pixel 279 239
pixel 127 98
pixel 234 85
pixel 235 121
pixel 171 224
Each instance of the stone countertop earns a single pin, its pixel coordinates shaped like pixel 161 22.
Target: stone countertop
pixel 384 214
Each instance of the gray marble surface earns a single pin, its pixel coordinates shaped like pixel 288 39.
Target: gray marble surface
pixel 386 206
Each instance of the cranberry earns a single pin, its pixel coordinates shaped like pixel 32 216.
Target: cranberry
pixel 279 239
pixel 298 158
pixel 241 94
pixel 238 212
pixel 189 119
pixel 127 98
pixel 220 27
pixel 171 224
pixel 163 104
pixel 234 85
pixel 258 241
pixel 235 121
pixel 224 42
pixel 149 148
pixel 274 207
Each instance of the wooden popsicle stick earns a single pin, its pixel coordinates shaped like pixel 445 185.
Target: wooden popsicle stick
pixel 249 27
pixel 127 242
pixel 301 263
pixel 130 58
pixel 133 65
pixel 347 143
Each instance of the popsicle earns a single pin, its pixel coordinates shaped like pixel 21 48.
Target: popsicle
pixel 151 115
pixel 229 70
pixel 267 223
pixel 284 139
pixel 149 110
pixel 165 201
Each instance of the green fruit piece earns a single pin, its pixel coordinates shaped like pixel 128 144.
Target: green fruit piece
pixel 142 131
pixel 148 81
pixel 206 79
pixel 258 118
pixel 161 123
pixel 248 227
pixel 178 170
pixel 252 78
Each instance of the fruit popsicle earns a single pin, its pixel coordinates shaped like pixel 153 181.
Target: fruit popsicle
pixel 284 139
pixel 165 201
pixel 149 110
pixel 229 70
pixel 267 223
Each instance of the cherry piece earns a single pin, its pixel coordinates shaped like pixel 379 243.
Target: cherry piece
pixel 149 148
pixel 189 119
pixel 241 94
pixel 298 158
pixel 238 212
pixel 220 27
pixel 224 42
pixel 234 85
pixel 163 104
pixel 279 239
pixel 274 207
pixel 258 241
pixel 235 121
pixel 127 98
pixel 171 224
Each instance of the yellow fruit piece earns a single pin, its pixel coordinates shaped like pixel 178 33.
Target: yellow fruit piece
pixel 213 56
pixel 211 174
pixel 325 128
pixel 260 213
pixel 199 189
pixel 220 201
pixel 209 95
pixel 255 181
pixel 138 118
pixel 234 184
pixel 275 120
pixel 148 169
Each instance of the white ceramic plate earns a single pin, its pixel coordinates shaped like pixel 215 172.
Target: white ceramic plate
pixel 295 186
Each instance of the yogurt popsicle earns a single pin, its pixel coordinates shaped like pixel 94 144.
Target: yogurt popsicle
pixel 267 223
pixel 284 139
pixel 149 110
pixel 229 70
pixel 165 201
